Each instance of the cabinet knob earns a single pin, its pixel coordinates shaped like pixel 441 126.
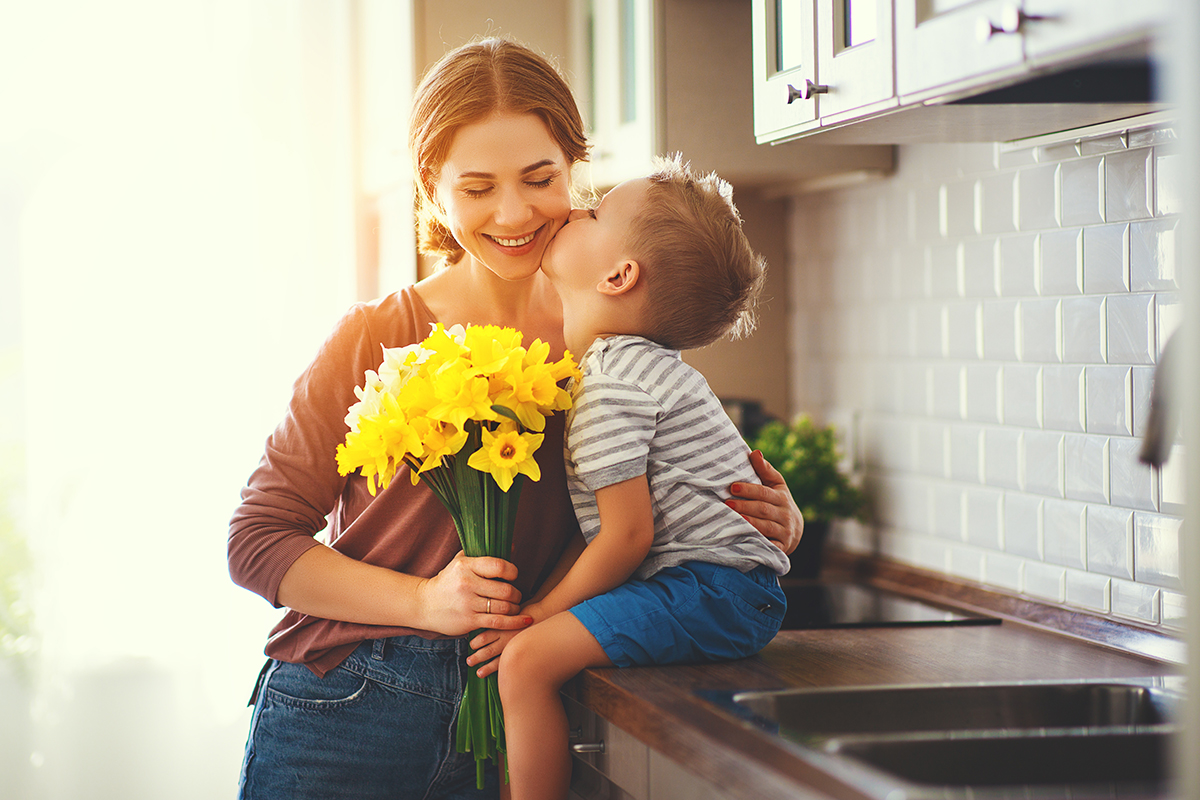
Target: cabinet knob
pixel 807 92
pixel 1012 20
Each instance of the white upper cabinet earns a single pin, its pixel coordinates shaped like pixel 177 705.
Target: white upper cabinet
pixel 1055 29
pixel 854 57
pixel 787 89
pixel 660 76
pixel 944 42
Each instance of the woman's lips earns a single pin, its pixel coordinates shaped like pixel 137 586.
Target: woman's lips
pixel 516 245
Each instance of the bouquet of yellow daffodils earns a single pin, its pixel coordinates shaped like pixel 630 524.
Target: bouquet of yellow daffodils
pixel 464 409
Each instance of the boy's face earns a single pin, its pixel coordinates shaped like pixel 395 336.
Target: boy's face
pixel 592 243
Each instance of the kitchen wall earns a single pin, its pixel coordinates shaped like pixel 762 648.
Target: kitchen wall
pixel 984 327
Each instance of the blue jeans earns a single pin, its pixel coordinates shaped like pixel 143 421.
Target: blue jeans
pixel 380 725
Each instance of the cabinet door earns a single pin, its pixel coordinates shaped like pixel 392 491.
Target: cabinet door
pixel 854 53
pixel 1056 29
pixel 625 79
pixel 939 42
pixel 785 66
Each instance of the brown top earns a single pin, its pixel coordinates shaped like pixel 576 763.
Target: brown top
pixel 289 496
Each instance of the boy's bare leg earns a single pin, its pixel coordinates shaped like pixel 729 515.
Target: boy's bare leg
pixel 533 668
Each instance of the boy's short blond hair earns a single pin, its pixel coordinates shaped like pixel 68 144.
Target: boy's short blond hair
pixel 702 277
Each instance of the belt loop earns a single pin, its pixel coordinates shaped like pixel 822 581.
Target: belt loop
pixel 379 649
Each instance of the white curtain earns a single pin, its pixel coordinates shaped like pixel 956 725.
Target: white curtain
pixel 179 178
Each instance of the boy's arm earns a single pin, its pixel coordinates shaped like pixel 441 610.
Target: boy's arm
pixel 626 533
pixel 565 561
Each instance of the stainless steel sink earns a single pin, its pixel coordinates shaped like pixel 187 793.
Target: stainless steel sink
pixel 1052 739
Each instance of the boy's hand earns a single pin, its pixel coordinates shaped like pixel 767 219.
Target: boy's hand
pixel 770 507
pixel 488 645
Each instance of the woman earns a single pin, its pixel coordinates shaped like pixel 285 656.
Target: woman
pixel 367 664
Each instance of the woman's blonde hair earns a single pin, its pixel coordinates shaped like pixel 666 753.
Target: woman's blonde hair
pixel 702 276
pixel 468 85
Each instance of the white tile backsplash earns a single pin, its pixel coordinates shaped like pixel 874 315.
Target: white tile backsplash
pixel 994 318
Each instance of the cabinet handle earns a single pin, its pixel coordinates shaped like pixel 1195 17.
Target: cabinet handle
pixel 807 92
pixel 1012 20
pixel 588 747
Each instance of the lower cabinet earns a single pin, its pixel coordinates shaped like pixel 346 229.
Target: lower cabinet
pixel 611 764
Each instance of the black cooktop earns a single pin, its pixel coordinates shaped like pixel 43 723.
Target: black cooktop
pixel 856 605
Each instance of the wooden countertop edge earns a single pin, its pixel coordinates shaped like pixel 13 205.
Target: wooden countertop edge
pixel 1126 637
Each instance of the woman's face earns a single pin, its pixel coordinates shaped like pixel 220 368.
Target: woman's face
pixel 505 191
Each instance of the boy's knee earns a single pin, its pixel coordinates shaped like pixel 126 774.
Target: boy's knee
pixel 515 662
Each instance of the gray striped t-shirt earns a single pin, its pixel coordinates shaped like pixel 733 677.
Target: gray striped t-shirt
pixel 640 410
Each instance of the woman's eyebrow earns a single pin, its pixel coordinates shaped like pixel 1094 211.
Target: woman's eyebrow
pixel 545 162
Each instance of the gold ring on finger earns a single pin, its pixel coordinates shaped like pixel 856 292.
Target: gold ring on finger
pixel 489 605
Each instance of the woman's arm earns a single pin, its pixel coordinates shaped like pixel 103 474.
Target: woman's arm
pixel 324 583
pixel 770 507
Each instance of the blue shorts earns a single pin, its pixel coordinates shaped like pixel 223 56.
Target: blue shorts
pixel 694 612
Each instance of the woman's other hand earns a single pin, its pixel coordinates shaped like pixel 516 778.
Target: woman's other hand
pixel 770 507
pixel 472 593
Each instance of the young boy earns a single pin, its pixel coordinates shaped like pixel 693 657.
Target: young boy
pixel 669 574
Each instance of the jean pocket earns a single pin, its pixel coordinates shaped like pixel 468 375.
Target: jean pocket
pixel 295 685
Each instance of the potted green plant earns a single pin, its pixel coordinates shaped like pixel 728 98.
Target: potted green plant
pixel 809 458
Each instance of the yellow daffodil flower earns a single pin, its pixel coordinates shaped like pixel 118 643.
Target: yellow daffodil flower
pixel 506 453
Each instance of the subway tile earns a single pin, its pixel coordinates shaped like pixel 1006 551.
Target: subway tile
pixel 1130 328
pixel 908 270
pixel 1106 259
pixel 1062 262
pixel 948 391
pixel 1085 590
pixel 1110 541
pixel 900 326
pixel 959 197
pixel 1023 395
pixel 1041 331
pixel 929 330
pixel 1018 265
pixel 980 262
pixel 1002 457
pixel 1045 581
pixel 966 563
pixel 1156 553
pixel 914 506
pixel 1003 572
pixel 1064 533
pixel 963 330
pixel 1127 185
pixel 1168 314
pixel 1084 328
pixel 885 389
pixel 1132 483
pixel 1043 469
pixel 1083 191
pixel 1171 481
pixel 1037 197
pixel 927 210
pixel 974 158
pixel 1166 133
pixel 1023 525
pixel 1168 183
pixel 1098 145
pixel 1109 404
pixel 915 386
pixel 947 506
pixel 1000 330
pixel 931 554
pixel 1134 601
pixel 933 449
pixel 1085 459
pixel 1143 382
pixel 1152 255
pixel 966 449
pixel 1174 609
pixel 1063 398
pixel 995 203
pixel 1020 157
pixel 983 387
pixel 943 278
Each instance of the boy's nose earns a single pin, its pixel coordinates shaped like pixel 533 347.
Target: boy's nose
pixel 578 213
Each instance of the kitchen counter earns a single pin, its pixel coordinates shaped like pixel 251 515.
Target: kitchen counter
pixel 659 707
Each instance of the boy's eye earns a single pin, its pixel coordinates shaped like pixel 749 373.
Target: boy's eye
pixel 591 213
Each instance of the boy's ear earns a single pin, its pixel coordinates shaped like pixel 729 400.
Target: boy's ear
pixel 620 279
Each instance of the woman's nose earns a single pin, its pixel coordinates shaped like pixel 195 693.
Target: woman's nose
pixel 514 209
